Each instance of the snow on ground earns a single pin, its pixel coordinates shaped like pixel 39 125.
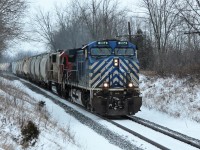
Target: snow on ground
pixel 49 138
pixel 182 125
pixel 17 108
pixel 89 138
pixel 177 97
pixel 171 102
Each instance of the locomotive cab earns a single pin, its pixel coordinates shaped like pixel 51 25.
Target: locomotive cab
pixel 114 78
pixel 58 65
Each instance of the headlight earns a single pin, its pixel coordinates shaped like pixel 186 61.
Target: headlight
pixel 105 85
pixel 130 85
pixel 116 62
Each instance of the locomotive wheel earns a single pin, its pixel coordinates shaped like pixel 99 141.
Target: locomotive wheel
pixel 65 93
pixel 85 99
pixel 49 86
pixel 70 96
pixel 58 89
pixel 89 107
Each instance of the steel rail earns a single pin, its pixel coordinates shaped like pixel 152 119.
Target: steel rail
pixel 164 130
pixel 136 134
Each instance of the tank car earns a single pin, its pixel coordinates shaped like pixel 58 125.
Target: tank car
pixel 5 66
pixel 44 68
pixel 32 68
pixel 103 76
pixel 25 67
pixel 37 68
pixel 19 68
pixel 14 67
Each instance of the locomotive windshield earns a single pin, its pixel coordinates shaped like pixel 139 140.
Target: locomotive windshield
pixel 124 51
pixel 101 51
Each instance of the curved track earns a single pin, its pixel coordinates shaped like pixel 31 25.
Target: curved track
pixel 176 135
pixel 137 134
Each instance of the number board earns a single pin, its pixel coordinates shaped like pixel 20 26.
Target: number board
pixel 102 43
pixel 122 43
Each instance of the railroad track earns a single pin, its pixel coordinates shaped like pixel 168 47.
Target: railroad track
pixel 164 130
pixel 158 128
pixel 156 144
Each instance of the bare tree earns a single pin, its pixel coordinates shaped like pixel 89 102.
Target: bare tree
pixel 102 18
pixel 190 11
pixel 11 11
pixel 89 16
pixel 44 27
pixel 72 32
pixel 189 14
pixel 79 23
pixel 164 20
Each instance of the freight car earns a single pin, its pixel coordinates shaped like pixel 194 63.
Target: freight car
pixel 5 67
pixel 102 76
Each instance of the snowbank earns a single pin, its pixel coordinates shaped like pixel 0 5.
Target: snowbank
pixel 53 135
pixel 19 105
pixel 174 96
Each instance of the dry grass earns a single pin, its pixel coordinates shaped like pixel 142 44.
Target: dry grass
pixel 148 73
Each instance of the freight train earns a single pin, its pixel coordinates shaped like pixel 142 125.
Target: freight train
pixel 102 76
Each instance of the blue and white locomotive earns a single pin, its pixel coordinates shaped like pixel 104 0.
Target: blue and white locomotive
pixel 104 77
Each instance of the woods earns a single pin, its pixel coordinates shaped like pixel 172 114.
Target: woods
pixel 166 33
pixel 82 22
pixel 174 35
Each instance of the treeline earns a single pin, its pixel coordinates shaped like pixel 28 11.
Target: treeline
pixel 167 33
pixel 169 37
pixel 80 22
